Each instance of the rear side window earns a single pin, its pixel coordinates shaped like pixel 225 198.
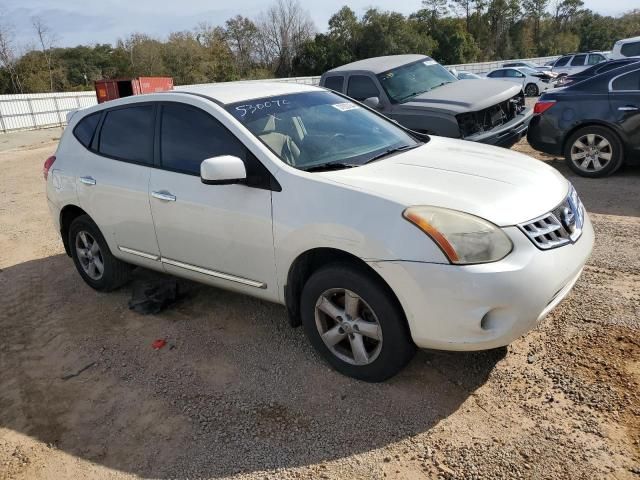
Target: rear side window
pixel 334 83
pixel 513 73
pixel 578 60
pixel 496 74
pixel 595 58
pixel 127 134
pixel 562 62
pixel 190 135
pixel 630 49
pixel 86 128
pixel 629 81
pixel 361 87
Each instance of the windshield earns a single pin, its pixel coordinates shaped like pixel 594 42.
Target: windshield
pixel 313 129
pixel 407 81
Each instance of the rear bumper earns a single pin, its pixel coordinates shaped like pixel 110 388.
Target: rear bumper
pixel 479 307
pixel 508 134
pixel 544 135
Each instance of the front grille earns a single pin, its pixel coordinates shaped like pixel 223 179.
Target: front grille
pixel 487 119
pixel 560 226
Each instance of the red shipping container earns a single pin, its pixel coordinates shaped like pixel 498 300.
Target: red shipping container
pixel 125 87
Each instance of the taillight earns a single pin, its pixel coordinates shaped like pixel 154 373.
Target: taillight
pixel 542 106
pixel 47 166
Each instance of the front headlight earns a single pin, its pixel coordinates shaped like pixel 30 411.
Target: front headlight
pixel 463 238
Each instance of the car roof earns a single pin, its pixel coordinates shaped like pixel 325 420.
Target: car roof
pixel 379 64
pixel 232 92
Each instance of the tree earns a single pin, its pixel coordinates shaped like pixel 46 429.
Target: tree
pixel 536 10
pixel 242 37
pixel 284 28
pixel 466 7
pixel 46 39
pixel 8 58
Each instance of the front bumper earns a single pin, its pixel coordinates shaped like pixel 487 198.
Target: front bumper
pixel 508 134
pixel 478 307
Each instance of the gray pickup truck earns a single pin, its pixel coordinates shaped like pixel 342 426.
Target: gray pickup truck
pixel 422 95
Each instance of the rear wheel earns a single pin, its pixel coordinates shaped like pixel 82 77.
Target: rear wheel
pixel 594 152
pixel 92 257
pixel 531 90
pixel 354 322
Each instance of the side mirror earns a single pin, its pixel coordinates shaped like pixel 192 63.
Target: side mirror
pixel 222 170
pixel 373 102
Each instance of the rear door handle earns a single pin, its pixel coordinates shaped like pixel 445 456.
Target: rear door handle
pixel 628 108
pixel 88 180
pixel 164 195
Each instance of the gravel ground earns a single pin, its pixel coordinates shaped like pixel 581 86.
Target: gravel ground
pixel 237 393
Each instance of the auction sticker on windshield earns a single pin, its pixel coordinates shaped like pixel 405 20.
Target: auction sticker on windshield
pixel 344 107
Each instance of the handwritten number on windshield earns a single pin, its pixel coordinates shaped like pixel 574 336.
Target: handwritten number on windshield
pixel 254 107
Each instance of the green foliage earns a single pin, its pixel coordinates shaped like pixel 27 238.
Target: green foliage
pixel 281 42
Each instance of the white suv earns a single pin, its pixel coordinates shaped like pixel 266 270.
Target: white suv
pixel 375 238
pixel 576 62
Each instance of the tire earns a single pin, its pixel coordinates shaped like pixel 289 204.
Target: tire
pixel 603 149
pixel 377 313
pixel 531 90
pixel 84 235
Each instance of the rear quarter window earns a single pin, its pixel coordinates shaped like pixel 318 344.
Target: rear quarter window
pixel 85 129
pixel 630 49
pixel 628 81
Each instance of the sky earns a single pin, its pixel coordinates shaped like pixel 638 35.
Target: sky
pixel 88 22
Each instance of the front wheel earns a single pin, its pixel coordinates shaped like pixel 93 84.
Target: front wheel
pixel 531 90
pixel 354 322
pixel 594 152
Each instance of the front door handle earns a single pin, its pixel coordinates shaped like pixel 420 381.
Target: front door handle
pixel 88 180
pixel 164 195
pixel 628 108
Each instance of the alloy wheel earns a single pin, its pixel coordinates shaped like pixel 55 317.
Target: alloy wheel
pixel 531 90
pixel 89 255
pixel 591 152
pixel 348 326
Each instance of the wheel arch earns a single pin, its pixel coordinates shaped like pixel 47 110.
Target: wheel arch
pixel 593 123
pixel 310 261
pixel 67 215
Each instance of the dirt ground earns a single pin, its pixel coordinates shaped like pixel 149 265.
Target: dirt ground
pixel 237 393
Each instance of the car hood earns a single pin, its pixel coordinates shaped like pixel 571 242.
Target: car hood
pixel 464 96
pixel 499 185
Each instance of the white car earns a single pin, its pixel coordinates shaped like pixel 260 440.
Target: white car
pixel 629 47
pixel 375 238
pixel 533 82
pixel 577 62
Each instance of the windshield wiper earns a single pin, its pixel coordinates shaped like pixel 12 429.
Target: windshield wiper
pixel 390 151
pixel 440 84
pixel 414 94
pixel 329 166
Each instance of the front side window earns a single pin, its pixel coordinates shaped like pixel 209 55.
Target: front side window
pixel 404 83
pixel 189 135
pixel 630 49
pixel 314 129
pixel 629 81
pixel 127 134
pixel 578 60
pixel 86 128
pixel 362 87
pixel 562 61
pixel 513 73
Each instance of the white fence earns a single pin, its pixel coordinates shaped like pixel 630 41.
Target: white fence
pixel 44 110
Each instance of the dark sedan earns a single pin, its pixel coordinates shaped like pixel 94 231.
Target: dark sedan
pixel 594 124
pixel 598 69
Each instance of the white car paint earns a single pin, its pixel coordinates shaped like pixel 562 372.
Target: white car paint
pixel 631 47
pixel 577 62
pixel 520 76
pixel 251 237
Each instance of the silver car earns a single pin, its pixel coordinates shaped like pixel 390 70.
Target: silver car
pixel 576 62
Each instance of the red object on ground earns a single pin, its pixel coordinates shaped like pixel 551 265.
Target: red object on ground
pixel 125 87
pixel 158 344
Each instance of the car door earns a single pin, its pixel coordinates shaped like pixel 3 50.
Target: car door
pixel 624 99
pixel 113 182
pixel 514 76
pixel 577 64
pixel 561 66
pixel 218 234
